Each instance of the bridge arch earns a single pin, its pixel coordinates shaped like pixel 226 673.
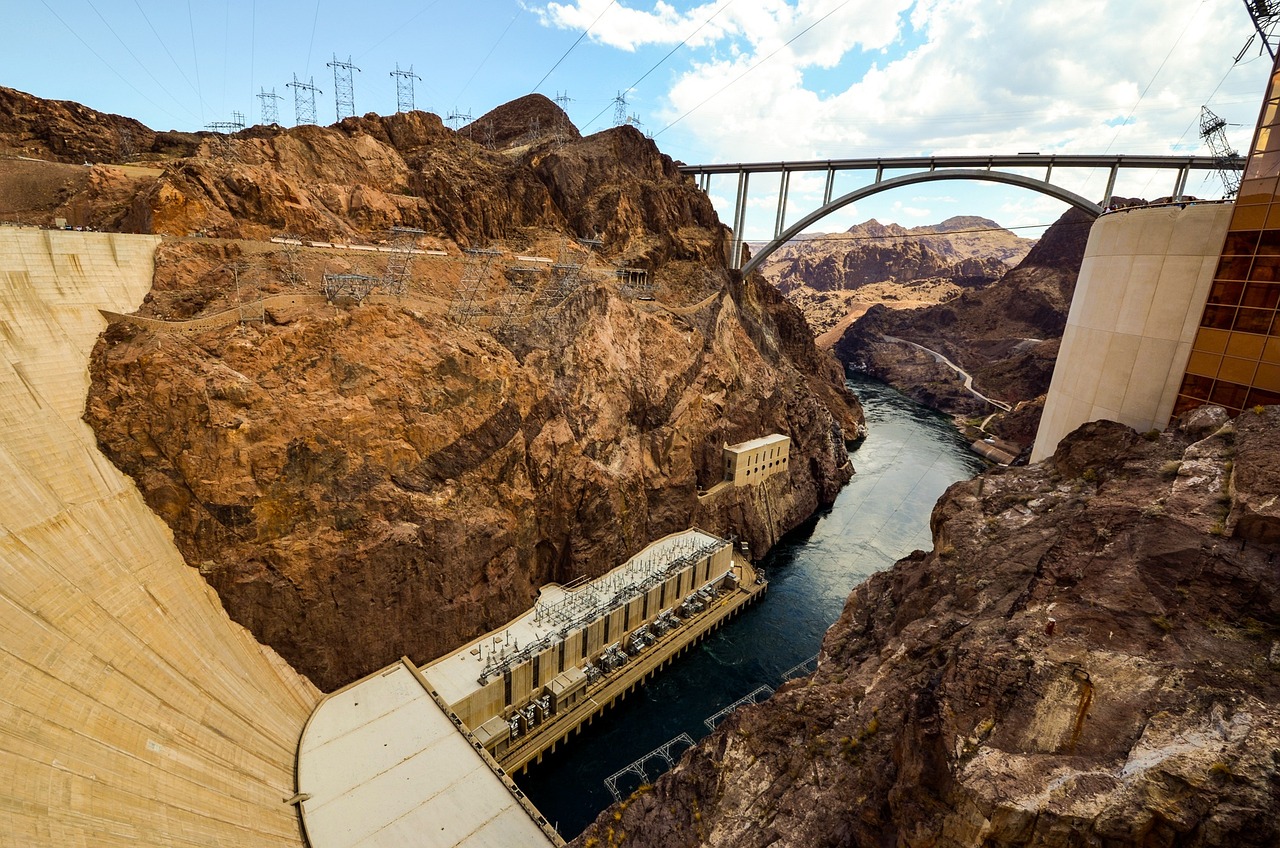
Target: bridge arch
pixel 983 174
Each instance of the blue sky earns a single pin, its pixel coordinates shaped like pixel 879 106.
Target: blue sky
pixel 715 81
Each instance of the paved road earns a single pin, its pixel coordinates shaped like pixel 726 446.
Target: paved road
pixel 968 378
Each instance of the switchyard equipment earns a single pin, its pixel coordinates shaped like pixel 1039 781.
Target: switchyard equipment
pixel 473 289
pixel 536 671
pixel 404 241
pixel 348 288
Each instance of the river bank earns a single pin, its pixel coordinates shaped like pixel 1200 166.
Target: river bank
pixel 909 457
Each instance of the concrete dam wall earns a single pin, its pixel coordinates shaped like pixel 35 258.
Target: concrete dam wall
pixel 134 711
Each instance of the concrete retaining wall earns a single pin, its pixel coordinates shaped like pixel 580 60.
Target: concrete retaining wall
pixel 1137 305
pixel 132 710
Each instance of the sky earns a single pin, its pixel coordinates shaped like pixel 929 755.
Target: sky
pixel 711 82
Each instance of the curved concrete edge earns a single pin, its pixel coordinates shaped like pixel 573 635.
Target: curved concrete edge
pixel 133 710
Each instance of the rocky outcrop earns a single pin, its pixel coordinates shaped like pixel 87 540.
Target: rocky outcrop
pixel 832 275
pixel 1005 335
pixel 369 482
pixel 1090 655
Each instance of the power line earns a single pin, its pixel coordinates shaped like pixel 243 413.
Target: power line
pixel 575 44
pixel 663 59
pixel 129 50
pixel 195 59
pixel 110 66
pixel 165 46
pixel 485 60
pixel 752 68
pixel 1163 61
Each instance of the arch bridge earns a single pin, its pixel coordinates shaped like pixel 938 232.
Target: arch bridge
pixel 1005 169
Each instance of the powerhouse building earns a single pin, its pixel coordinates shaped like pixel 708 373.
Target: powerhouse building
pixel 538 666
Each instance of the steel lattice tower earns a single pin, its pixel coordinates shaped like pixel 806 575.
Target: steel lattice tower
pixel 344 91
pixel 1265 14
pixel 304 100
pixel 1228 160
pixel 620 109
pixel 404 88
pixel 270 105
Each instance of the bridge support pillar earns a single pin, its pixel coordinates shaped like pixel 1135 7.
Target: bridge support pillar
pixel 783 186
pixel 739 219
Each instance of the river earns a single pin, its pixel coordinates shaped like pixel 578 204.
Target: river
pixel 909 457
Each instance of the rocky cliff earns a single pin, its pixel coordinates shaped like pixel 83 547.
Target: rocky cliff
pixel 1089 656
pixel 835 277
pixel 365 482
pixel 1005 335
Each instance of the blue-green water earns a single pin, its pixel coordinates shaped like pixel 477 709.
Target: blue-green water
pixel 907 460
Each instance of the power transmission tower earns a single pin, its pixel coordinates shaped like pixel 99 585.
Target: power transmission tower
pixel 456 119
pixel 304 100
pixel 620 109
pixel 344 91
pixel 270 105
pixel 125 146
pixel 404 88
pixel 473 289
pixel 1265 14
pixel 562 100
pixel 1229 162
pixel 234 125
pixel 404 243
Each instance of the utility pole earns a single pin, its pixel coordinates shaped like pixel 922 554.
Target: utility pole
pixel 304 100
pixel 344 91
pixel 404 88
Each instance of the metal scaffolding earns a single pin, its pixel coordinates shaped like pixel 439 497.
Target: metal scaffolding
pixel 646 769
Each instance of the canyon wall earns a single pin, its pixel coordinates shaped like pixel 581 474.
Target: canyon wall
pixel 1089 656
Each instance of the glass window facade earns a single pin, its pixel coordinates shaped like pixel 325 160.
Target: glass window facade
pixel 1235 359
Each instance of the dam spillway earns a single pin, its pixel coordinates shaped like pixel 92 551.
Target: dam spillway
pixel 134 710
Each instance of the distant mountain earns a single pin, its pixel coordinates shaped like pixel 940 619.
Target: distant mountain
pixel 835 277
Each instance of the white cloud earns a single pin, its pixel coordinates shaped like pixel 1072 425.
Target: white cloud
pixel 897 77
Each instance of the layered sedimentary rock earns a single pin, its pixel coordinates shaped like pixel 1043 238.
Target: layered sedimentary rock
pixel 367 482
pixel 1090 655
pixel 835 277
pixel 1005 335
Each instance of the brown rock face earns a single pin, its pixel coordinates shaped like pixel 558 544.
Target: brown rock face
pixel 1089 656
pixel 363 485
pixel 1005 335
pixel 360 484
pixel 830 275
